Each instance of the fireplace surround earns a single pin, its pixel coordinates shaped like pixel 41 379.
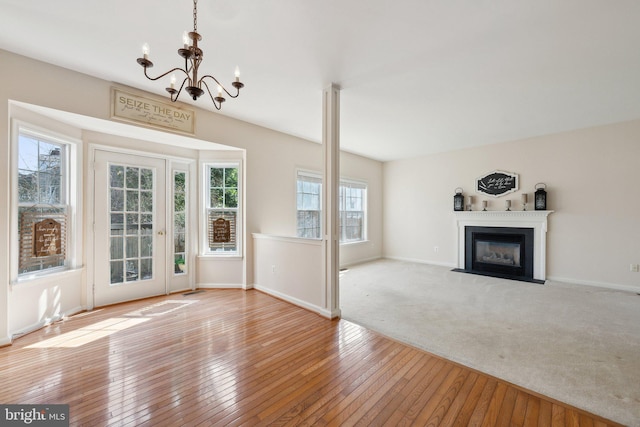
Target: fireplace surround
pixel 510 244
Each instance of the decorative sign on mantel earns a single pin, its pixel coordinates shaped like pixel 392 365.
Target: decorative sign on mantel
pixel 134 108
pixel 497 183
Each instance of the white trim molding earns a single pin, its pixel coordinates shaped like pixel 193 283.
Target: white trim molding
pixel 523 219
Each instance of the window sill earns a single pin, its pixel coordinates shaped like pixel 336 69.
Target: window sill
pixel 220 257
pixel 37 279
pixel 357 242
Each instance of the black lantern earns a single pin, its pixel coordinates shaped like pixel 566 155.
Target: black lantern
pixel 458 200
pixel 540 196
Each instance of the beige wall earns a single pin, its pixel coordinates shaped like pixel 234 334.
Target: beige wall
pixel 282 264
pixel 270 163
pixel 592 178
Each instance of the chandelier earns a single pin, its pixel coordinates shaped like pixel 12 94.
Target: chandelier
pixel 192 55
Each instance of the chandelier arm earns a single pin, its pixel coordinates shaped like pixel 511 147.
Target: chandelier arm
pixel 218 105
pixel 177 94
pixel 219 84
pixel 163 75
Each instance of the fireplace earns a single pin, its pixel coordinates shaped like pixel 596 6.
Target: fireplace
pixel 508 243
pixel 505 252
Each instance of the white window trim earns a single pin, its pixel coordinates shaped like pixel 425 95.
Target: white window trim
pixel 204 206
pixel 73 189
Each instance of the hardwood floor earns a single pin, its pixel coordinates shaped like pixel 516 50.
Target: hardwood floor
pixel 230 357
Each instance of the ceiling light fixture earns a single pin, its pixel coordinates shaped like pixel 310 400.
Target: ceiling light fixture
pixel 192 55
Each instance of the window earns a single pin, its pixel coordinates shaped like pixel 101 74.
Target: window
pixel 352 206
pixel 43 207
pixel 352 211
pixel 222 209
pixel 309 193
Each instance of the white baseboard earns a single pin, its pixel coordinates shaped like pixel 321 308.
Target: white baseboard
pixel 219 286
pixel 360 261
pixel 43 323
pixel 422 261
pixel 295 301
pixel 614 286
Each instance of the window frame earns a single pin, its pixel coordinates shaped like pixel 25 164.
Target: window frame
pixel 344 183
pixel 362 185
pixel 205 250
pixel 70 187
pixel 317 177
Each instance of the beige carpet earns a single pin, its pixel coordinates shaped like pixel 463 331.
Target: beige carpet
pixel 576 344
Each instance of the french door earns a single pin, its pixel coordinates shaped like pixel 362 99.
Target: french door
pixel 130 247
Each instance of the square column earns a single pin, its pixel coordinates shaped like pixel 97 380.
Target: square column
pixel 330 202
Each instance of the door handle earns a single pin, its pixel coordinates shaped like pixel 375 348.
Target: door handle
pixel 160 233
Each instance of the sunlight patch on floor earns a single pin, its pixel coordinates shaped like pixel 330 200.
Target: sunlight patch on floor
pixel 108 327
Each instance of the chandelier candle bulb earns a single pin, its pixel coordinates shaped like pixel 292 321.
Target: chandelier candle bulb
pixel 145 51
pixel 237 74
pixel 185 40
pixel 173 81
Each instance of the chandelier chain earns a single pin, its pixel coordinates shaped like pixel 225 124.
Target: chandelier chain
pixel 195 16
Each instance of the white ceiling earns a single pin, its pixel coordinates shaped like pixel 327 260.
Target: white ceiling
pixel 417 76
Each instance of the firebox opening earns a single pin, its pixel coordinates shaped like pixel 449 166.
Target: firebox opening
pixel 505 252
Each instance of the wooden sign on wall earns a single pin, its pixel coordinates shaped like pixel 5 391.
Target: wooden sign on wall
pixel 46 238
pixel 134 108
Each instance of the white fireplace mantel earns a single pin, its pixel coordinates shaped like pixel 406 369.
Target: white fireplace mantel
pixel 524 219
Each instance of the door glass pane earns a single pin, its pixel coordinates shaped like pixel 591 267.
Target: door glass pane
pixel 132 246
pixel 117 224
pixel 131 212
pixel 179 222
pixel 117 275
pixel 117 200
pixel 133 223
pixel 146 224
pixel 116 173
pixel 133 178
pixel 132 270
pixel 146 179
pixel 116 248
pixel 146 201
pixel 146 246
pixel 146 270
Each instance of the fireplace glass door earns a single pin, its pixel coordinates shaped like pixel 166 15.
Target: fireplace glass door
pixel 500 251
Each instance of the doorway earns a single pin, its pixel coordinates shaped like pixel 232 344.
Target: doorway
pixel 130 216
